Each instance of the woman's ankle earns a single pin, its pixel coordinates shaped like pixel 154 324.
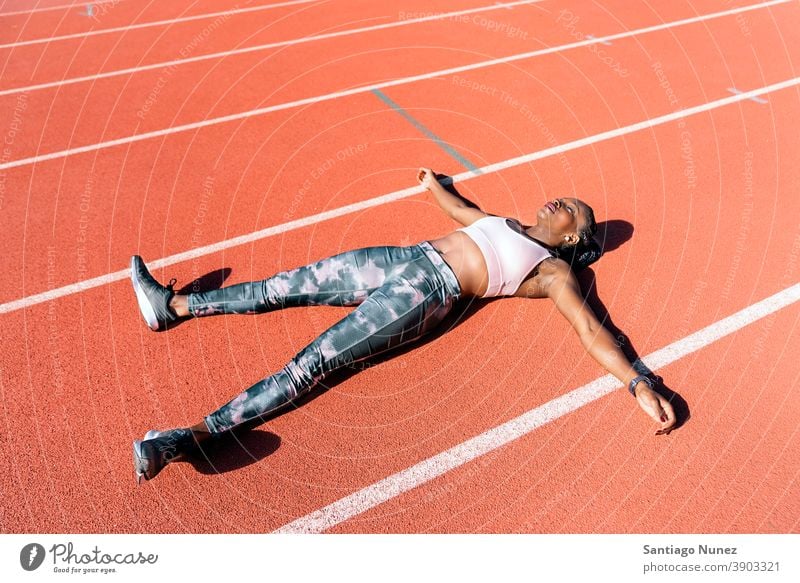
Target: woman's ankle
pixel 180 305
pixel 200 431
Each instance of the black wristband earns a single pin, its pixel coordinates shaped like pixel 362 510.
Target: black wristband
pixel 636 381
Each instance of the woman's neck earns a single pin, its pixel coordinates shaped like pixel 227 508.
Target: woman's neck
pixel 542 235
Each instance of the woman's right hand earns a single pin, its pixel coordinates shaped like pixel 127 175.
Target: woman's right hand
pixel 426 177
pixel 657 407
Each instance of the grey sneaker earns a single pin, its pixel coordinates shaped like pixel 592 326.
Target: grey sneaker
pixel 153 297
pixel 152 454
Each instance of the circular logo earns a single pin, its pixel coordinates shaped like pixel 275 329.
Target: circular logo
pixel 31 556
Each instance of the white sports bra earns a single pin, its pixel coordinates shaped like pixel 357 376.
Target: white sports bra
pixel 509 253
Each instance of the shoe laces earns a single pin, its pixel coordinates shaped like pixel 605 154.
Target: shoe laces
pixel 171 285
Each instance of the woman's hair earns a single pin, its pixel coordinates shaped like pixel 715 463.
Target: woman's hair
pixel 586 251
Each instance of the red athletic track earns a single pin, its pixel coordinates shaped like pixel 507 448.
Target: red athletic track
pixel 81 376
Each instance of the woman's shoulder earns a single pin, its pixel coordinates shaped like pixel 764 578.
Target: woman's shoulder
pixel 543 275
pixel 552 266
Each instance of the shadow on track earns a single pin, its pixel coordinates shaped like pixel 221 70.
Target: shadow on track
pixel 612 234
pixel 209 281
pixel 234 450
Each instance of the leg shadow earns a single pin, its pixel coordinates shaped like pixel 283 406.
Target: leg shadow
pixel 207 282
pixel 233 450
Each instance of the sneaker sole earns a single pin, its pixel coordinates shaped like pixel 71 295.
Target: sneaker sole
pixel 140 466
pixel 145 307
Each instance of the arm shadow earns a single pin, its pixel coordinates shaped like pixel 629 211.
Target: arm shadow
pixel 611 235
pixel 447 182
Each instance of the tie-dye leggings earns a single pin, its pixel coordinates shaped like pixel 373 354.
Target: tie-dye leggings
pixel 401 294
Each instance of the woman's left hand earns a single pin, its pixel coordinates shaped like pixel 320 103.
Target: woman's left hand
pixel 656 406
pixel 426 177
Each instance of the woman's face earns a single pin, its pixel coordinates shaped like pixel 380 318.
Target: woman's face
pixel 563 217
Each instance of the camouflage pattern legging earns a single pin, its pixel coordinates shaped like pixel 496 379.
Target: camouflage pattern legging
pixel 401 294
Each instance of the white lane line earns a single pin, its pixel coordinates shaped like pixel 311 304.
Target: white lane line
pixel 435 466
pixel 59 7
pixel 756 99
pixel 364 89
pixel 140 25
pixel 253 49
pixel 608 44
pixel 392 196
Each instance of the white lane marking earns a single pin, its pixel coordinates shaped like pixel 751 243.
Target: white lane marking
pixel 140 25
pixel 608 44
pixel 245 50
pixel 756 99
pixel 59 7
pixel 425 471
pixel 392 196
pixel 364 89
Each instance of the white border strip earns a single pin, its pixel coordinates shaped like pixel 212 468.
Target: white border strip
pixel 435 466
pixel 38 41
pixel 253 49
pixel 377 201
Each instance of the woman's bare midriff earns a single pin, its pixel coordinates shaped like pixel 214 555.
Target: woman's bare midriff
pixel 466 260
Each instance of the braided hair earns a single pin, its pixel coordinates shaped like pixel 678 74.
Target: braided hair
pixel 586 251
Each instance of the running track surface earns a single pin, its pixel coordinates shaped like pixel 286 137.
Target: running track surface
pixel 698 215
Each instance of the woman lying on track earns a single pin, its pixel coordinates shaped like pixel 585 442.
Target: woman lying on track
pixel 402 293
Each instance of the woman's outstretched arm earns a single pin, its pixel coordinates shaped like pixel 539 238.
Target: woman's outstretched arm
pixel 454 206
pixel 564 290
